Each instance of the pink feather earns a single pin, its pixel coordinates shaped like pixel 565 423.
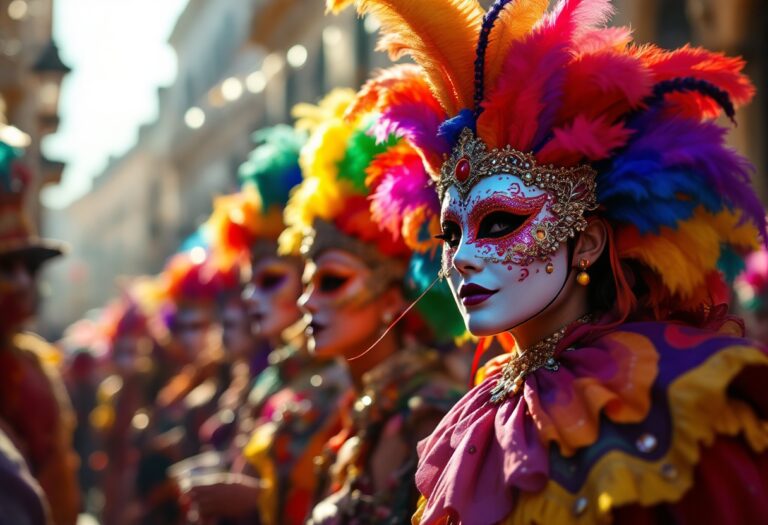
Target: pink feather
pixel 581 15
pixel 583 139
pixel 400 186
pixel 532 74
pixel 513 106
pixel 615 38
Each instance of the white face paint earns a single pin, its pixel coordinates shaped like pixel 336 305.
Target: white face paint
pixel 489 238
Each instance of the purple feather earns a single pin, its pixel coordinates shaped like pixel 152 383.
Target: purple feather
pixel 700 146
pixel 415 122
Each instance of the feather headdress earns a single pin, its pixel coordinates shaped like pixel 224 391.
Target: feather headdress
pixel 256 212
pixel 195 277
pixel 376 192
pixel 334 162
pixel 569 90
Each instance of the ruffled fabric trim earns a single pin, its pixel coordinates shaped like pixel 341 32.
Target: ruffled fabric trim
pixel 481 451
pixel 700 411
pixel 487 464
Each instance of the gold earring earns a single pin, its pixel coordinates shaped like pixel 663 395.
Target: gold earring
pixel 583 277
pixel 550 268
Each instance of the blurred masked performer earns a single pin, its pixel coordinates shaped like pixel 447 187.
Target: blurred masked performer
pixel 586 197
pixel 35 412
pixel 358 280
pixel 124 400
pixel 195 371
pixel 288 410
pixel 243 231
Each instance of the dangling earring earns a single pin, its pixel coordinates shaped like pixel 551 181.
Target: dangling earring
pixel 583 277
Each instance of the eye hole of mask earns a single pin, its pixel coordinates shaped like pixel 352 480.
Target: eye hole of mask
pixel 451 234
pixel 500 223
pixel 270 280
pixel 331 282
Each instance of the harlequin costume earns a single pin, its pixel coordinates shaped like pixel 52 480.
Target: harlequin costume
pixel 336 207
pixel 293 424
pixel 652 412
pixel 35 411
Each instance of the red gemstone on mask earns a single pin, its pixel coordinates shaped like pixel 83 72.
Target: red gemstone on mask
pixel 462 169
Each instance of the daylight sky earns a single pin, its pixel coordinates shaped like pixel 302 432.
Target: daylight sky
pixel 119 56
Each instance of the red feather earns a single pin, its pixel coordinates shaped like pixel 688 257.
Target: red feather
pixel 716 68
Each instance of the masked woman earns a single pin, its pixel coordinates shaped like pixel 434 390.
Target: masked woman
pixel 586 198
pixel 355 281
pixel 287 410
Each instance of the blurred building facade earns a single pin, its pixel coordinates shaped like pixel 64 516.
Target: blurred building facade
pixel 241 66
pixel 30 76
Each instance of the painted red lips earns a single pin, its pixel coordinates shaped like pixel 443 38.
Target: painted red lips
pixel 474 294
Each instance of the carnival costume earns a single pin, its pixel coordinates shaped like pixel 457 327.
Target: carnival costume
pixel 336 208
pixel 653 411
pixel 30 382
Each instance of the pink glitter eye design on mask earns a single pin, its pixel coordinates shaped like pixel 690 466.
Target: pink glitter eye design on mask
pixel 501 226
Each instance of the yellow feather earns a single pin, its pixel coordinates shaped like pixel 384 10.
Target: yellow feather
pixel 743 235
pixel 440 36
pixel 684 256
pixel 515 22
pixel 321 194
pixel 337 6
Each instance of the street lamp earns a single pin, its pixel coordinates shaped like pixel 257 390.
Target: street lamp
pixel 50 71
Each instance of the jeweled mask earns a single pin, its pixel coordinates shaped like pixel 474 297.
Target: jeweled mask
pixel 570 193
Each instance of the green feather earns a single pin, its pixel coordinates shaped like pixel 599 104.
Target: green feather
pixel 361 149
pixel 273 166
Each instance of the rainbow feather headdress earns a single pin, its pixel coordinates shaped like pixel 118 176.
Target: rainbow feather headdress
pixel 192 278
pixel 568 93
pixel 242 222
pixel 370 197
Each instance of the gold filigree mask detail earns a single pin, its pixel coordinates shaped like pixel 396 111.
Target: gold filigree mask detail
pixel 573 191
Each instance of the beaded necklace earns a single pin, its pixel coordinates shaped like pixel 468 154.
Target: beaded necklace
pixel 540 355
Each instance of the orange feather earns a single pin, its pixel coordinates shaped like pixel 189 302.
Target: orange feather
pixel 440 35
pixel 515 22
